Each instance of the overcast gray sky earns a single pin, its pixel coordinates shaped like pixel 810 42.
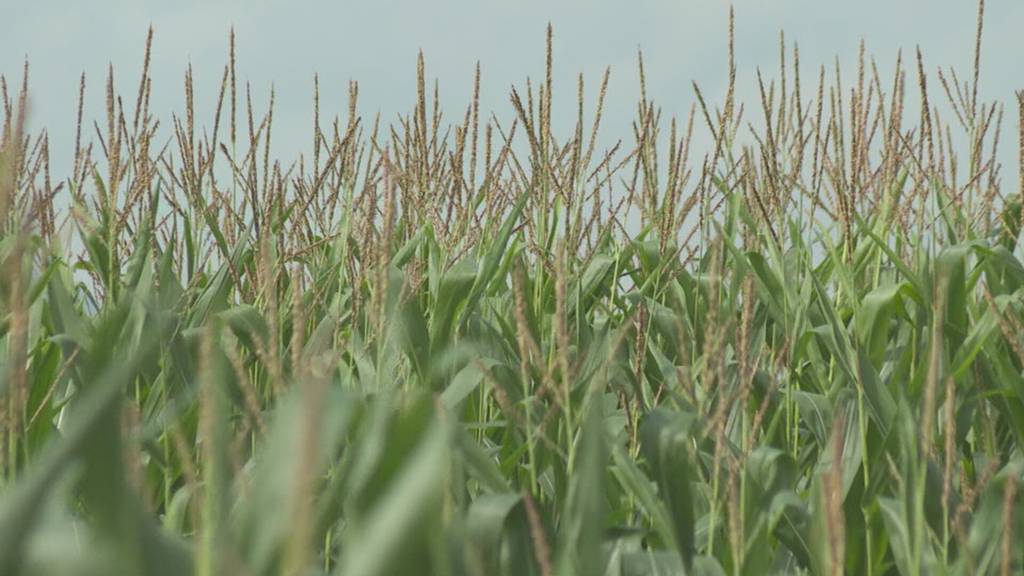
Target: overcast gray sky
pixel 376 42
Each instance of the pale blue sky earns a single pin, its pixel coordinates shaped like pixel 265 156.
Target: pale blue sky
pixel 376 43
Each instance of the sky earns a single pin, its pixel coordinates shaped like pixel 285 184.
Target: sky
pixel 283 43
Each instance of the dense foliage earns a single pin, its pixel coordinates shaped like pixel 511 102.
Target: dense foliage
pixel 483 348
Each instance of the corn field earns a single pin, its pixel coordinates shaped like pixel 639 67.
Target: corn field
pixel 479 347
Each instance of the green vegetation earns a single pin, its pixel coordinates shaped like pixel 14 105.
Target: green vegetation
pixel 484 348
